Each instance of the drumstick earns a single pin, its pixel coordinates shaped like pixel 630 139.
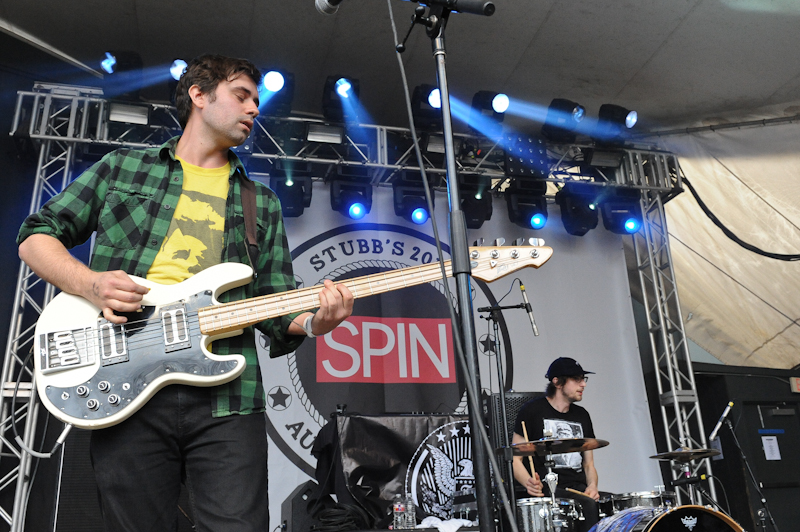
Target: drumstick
pixel 578 492
pixel 530 457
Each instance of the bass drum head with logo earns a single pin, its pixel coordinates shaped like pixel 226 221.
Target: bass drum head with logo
pixel 693 518
pixel 690 518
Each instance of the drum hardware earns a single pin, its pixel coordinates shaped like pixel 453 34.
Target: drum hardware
pixel 683 456
pixel 541 514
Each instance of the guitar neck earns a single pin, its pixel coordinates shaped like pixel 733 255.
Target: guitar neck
pixel 228 317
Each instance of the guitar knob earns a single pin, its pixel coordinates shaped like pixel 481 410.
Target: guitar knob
pixel 82 390
pixel 92 404
pixel 104 386
pixel 113 399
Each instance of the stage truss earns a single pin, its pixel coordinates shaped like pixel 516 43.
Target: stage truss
pixel 72 125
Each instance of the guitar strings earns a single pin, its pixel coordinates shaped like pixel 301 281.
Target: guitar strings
pixel 141 334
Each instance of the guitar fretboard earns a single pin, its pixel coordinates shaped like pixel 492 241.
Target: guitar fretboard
pixel 229 317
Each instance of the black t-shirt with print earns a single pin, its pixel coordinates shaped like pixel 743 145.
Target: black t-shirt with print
pixel 539 415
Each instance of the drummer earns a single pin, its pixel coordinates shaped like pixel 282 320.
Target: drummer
pixel 557 416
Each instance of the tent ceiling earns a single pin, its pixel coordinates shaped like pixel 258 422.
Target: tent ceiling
pixel 676 62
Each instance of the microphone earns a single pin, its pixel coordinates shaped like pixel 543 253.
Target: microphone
pixel 327 7
pixel 688 480
pixel 719 423
pixel 528 309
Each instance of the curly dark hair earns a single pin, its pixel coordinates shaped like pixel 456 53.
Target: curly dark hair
pixel 206 71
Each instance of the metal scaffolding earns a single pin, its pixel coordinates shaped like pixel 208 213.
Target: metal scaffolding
pixel 69 124
pixel 677 394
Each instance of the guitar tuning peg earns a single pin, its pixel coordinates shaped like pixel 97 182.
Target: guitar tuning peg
pixel 478 243
pixel 529 241
pixel 500 241
pixel 521 241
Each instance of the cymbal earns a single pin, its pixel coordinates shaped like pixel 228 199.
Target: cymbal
pixel 686 455
pixel 545 446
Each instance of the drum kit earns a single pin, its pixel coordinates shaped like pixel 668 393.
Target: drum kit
pixel 644 511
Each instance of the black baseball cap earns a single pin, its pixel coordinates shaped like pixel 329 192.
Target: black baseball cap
pixel 565 367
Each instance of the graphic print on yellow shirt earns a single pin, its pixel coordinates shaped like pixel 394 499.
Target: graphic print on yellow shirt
pixel 195 236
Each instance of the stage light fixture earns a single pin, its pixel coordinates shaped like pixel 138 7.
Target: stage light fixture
pixel 109 64
pixel 563 117
pixel 124 79
pixel 277 93
pixel 325 134
pixel 486 116
pixel 426 108
pixel 621 210
pixel 293 191
pixel 525 156
pixel 410 202
pixel 274 81
pixel 476 199
pixel 526 202
pixel 350 198
pixel 613 122
pixel 338 88
pixel 177 69
pixel 578 203
pixel 602 158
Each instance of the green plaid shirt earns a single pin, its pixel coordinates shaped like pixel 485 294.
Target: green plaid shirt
pixel 129 197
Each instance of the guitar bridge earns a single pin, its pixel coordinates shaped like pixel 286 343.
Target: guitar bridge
pixel 63 350
pixel 175 327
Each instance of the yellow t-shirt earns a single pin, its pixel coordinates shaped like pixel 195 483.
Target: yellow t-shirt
pixel 195 236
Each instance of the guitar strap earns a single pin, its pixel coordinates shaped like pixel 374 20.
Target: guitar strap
pixel 250 221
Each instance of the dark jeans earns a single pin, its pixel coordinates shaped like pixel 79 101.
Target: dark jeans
pixel 139 466
pixel 591 514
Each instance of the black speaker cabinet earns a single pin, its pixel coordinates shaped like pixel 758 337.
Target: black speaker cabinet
pixel 295 516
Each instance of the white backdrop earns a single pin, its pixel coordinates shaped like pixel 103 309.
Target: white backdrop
pixel 582 306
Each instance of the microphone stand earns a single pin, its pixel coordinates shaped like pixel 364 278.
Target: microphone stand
pixel 435 22
pixel 765 511
pixel 504 443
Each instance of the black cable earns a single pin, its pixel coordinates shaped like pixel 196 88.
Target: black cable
pixel 731 235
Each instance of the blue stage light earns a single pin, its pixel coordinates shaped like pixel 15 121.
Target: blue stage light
pixel 274 81
pixel 631 118
pixel 109 64
pixel 419 216
pixel 435 99
pixel 500 103
pixel 632 225
pixel 538 220
pixel 177 69
pixel 343 87
pixel 357 211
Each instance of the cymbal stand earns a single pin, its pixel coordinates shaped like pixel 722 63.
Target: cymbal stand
pixel 551 477
pixel 504 443
pixel 764 512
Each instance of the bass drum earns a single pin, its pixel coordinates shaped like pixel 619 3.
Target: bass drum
pixel 690 517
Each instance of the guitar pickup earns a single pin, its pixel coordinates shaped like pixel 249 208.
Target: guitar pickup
pixel 65 350
pixel 175 328
pixel 113 342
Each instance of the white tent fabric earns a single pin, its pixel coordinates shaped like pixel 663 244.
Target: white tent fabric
pixel 739 306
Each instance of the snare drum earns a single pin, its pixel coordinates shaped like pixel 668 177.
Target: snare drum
pixel 657 519
pixel 650 499
pixel 537 514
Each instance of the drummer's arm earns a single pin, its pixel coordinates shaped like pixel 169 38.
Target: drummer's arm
pixel 532 484
pixel 591 475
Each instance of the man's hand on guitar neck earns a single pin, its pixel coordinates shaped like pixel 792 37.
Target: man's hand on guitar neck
pixel 335 306
pixel 109 291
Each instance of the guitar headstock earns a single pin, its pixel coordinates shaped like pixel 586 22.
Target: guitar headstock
pixel 490 263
